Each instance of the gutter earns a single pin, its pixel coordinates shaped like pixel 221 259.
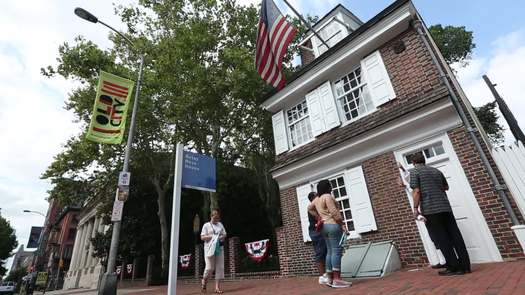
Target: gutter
pixel 425 36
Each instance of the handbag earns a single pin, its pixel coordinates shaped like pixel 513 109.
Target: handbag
pixel 217 247
pixel 318 226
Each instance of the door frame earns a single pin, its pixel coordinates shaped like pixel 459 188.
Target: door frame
pixel 486 236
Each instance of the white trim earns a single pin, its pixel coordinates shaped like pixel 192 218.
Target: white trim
pixel 434 119
pixel 472 202
pixel 403 14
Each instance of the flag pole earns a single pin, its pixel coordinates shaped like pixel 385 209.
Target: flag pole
pixel 306 23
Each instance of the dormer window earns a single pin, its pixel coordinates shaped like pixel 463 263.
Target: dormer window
pixel 332 32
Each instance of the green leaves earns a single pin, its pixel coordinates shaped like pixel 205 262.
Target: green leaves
pixel 8 242
pixel 489 120
pixel 455 43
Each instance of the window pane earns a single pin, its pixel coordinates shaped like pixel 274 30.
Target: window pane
pixel 342 191
pixel 340 181
pixel 439 149
pixel 428 153
pixel 335 193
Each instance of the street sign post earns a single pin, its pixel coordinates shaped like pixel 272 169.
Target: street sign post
pixel 191 171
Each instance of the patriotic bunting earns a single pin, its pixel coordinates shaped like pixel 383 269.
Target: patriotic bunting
pixel 258 250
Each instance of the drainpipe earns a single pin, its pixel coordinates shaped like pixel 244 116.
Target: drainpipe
pixel 421 30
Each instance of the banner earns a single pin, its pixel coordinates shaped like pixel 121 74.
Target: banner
pixel 110 111
pixel 185 261
pixel 257 250
pixel 34 237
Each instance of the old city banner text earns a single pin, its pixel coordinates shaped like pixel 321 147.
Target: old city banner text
pixel 111 107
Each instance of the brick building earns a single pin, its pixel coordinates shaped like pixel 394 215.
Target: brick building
pixel 354 111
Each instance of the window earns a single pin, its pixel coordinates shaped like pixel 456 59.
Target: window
pixel 428 152
pixel 71 235
pixel 68 252
pixel 299 124
pixel 332 33
pixel 352 95
pixel 340 194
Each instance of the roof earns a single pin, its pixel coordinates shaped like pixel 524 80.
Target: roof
pixel 363 28
pixel 339 6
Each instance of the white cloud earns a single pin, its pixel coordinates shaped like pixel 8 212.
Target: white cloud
pixel 505 66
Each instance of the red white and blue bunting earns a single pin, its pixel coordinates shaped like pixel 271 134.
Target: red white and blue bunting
pixel 258 250
pixel 185 261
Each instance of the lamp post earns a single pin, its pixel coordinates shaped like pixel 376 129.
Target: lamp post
pixel 109 280
pixel 35 212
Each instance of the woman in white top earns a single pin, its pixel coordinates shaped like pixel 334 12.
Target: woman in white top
pixel 213 233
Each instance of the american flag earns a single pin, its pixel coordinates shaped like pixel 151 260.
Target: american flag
pixel 273 37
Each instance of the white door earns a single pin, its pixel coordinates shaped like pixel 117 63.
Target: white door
pixel 440 154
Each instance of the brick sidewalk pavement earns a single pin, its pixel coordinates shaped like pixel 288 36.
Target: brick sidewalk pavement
pixel 494 278
pixel 489 279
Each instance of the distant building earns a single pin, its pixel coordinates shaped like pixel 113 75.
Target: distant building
pixel 22 258
pixel 84 269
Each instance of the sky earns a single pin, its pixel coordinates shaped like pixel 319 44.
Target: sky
pixel 34 124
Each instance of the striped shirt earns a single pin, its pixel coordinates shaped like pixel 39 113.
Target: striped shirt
pixel 432 184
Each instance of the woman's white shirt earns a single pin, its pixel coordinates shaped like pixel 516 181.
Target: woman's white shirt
pixel 213 229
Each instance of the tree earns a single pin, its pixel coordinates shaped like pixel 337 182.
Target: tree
pixel 16 275
pixel 200 88
pixel 489 120
pixel 8 242
pixel 455 43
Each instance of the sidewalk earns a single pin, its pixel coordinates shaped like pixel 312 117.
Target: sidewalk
pixel 494 278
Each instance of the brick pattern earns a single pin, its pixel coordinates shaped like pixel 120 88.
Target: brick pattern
pixel 233 256
pixel 392 211
pixel 485 279
pixel 307 56
pixel 199 256
pixel 295 256
pixel 491 206
pixel 416 83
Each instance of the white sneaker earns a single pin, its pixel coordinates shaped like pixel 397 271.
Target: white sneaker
pixel 340 284
pixel 324 280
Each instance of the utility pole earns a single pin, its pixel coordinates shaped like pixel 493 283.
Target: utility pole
pixel 507 114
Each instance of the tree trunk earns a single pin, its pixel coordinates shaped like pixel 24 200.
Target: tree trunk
pixel 164 233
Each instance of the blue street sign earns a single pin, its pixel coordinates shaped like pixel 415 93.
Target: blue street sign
pixel 198 172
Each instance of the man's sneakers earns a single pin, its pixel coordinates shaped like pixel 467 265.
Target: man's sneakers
pixel 324 280
pixel 449 272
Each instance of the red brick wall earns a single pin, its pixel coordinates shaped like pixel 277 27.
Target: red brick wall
pixel 392 213
pixel 392 210
pixel 416 83
pixel 295 256
pixel 411 72
pixel 492 207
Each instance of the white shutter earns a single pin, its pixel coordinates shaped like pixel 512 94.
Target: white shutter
pixel 330 114
pixel 360 205
pixel 377 79
pixel 279 133
pixel 315 110
pixel 303 202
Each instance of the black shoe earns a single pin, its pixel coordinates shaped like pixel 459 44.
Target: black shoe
pixel 449 272
pixel 437 266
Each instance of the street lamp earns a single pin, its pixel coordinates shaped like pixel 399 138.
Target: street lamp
pixel 109 281
pixel 35 212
